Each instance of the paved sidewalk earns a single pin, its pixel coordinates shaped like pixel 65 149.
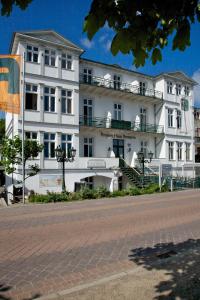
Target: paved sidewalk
pixel 49 248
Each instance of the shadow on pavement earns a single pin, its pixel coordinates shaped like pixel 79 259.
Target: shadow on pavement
pixel 181 264
pixel 4 289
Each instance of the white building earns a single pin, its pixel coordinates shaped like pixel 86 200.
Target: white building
pixel 103 111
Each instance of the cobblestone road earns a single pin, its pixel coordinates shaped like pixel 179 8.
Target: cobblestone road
pixel 47 248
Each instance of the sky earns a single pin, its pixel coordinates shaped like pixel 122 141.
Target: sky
pixel 67 17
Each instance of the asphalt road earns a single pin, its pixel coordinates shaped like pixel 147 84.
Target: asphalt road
pixel 48 248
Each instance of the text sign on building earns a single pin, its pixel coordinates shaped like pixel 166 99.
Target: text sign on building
pixel 96 164
pixel 166 170
pixel 50 180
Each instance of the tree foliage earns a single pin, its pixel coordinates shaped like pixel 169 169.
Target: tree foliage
pixel 7 5
pixel 12 155
pixel 2 130
pixel 143 28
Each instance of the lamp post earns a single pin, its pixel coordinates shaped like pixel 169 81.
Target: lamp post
pixel 143 160
pixel 62 157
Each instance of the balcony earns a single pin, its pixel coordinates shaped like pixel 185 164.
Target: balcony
pixel 119 125
pixel 105 85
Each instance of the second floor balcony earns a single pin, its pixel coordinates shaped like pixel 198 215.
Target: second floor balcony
pixel 118 86
pixel 119 125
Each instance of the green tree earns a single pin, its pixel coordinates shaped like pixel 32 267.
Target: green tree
pixel 143 28
pixel 12 155
pixel 7 5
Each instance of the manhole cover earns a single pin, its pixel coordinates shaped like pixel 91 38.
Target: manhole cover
pixel 166 254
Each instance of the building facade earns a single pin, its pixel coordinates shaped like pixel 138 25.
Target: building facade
pixel 107 113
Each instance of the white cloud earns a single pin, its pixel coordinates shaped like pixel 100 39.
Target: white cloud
pixel 196 77
pixel 87 43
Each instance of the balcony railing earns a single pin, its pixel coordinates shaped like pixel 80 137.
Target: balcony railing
pixel 116 124
pixel 121 86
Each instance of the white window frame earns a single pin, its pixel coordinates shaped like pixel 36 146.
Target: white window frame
pixel 87 75
pixel 31 135
pixel 66 61
pixel 178 89
pixel 179 151
pixel 187 90
pixel 171 150
pixel 32 90
pixel 30 49
pixel 51 145
pixel 142 88
pixel 187 151
pixel 179 119
pixel 118 111
pixel 66 101
pixel 169 87
pixel 117 82
pixel 50 55
pixel 66 142
pixel 89 143
pixel 170 118
pixel 50 98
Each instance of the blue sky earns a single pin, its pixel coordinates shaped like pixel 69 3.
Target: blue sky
pixel 67 18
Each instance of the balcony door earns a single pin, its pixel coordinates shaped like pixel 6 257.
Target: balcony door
pixel 118 148
pixel 87 76
pixel 87 111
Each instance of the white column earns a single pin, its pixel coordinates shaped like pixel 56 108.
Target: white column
pixel 58 103
pixel 41 101
pixel 42 68
pixel 41 141
pixel 59 53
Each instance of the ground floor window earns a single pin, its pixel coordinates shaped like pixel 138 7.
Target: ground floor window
pixel 187 151
pixel 180 151
pixel 171 150
pixel 143 148
pixel 49 145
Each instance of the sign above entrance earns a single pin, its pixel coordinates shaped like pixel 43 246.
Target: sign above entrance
pixel 96 164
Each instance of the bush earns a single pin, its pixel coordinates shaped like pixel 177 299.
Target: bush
pixel 165 188
pixel 87 193
pixel 50 197
pixel 133 191
pixel 119 193
pixel 152 188
pixel 101 192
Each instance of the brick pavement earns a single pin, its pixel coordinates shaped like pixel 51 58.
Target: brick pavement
pixel 47 248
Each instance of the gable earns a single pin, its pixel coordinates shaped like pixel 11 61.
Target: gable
pixel 53 37
pixel 181 76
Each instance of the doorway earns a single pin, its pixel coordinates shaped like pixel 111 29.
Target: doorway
pixel 118 148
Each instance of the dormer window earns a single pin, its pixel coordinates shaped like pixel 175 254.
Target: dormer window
pixel 50 58
pixel 142 88
pixel 117 82
pixel 32 53
pixel 66 61
pixel 178 89
pixel 169 87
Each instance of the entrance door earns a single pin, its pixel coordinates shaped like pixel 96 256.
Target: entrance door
pixel 118 148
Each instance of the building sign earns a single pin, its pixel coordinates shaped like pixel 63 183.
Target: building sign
pixel 50 180
pixel 166 170
pixel 96 164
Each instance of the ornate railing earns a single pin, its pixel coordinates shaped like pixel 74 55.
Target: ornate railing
pixel 116 124
pixel 121 86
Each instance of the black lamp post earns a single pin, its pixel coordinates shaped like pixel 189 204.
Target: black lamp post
pixel 62 157
pixel 143 160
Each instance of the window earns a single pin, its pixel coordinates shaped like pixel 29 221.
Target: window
pixel 50 57
pixel 143 116
pixel 66 143
pixel 187 151
pixel 88 147
pixel 89 182
pixel 178 89
pixel 117 82
pixel 171 150
pixel 66 61
pixel 179 150
pixel 31 97
pixel 29 135
pixel 66 101
pixel 169 87
pixel 187 90
pixel 49 99
pixel 142 88
pixel 118 112
pixel 32 53
pixel 143 148
pixel 179 119
pixel 170 117
pixel 49 145
pixel 87 76
pixel 87 111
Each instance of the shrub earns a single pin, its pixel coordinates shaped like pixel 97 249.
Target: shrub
pixel 101 192
pixel 119 193
pixel 133 191
pixel 165 188
pixel 87 193
pixel 152 188
pixel 39 199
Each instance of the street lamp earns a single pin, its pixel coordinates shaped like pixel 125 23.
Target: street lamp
pixel 62 157
pixel 142 160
